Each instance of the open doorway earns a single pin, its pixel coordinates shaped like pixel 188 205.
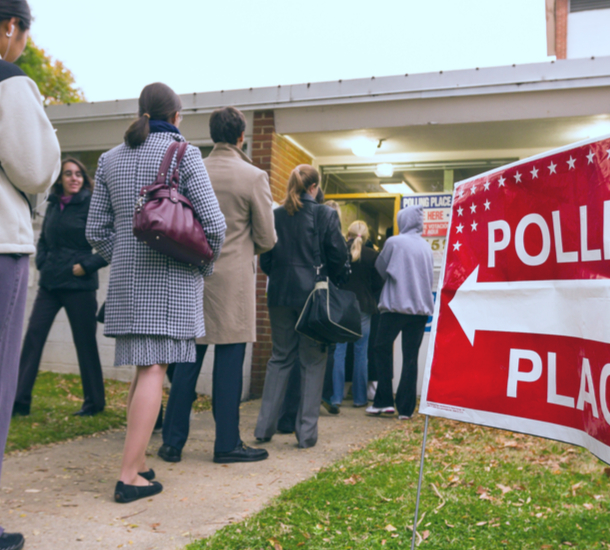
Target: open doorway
pixel 377 210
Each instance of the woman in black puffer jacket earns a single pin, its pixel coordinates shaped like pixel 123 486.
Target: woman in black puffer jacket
pixel 68 278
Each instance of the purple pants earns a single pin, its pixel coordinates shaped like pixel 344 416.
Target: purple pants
pixel 13 290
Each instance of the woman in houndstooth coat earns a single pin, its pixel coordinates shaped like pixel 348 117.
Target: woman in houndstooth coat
pixel 154 307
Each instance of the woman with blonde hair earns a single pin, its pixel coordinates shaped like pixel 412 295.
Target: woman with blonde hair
pixel 364 282
pixel 292 270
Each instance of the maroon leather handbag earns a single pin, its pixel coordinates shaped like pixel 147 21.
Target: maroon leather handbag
pixel 166 221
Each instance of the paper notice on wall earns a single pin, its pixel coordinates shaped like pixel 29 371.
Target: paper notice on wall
pixel 437 212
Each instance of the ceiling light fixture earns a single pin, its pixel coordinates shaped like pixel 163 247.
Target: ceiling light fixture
pixel 385 170
pixel 399 188
pixel 363 147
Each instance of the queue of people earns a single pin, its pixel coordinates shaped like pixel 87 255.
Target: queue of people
pixel 156 309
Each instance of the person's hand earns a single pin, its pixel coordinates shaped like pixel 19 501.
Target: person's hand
pixel 78 270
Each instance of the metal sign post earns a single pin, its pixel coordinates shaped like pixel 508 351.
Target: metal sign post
pixel 421 475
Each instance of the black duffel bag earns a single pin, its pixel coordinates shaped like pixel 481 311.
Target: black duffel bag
pixel 330 315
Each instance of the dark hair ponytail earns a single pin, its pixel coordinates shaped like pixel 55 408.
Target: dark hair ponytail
pixel 157 102
pixel 301 179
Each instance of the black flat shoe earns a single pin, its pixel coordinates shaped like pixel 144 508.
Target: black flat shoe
pixel 169 453
pixel 11 541
pixel 264 439
pixel 87 412
pixel 128 493
pixel 149 475
pixel 241 453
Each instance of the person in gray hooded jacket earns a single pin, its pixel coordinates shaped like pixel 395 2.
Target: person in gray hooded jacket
pixel 406 266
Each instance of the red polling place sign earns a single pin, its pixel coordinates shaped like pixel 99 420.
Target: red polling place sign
pixel 521 336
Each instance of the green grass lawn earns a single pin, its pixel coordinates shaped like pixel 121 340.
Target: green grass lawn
pixel 55 398
pixel 483 489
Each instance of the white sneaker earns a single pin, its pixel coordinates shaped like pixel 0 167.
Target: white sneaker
pixel 371 390
pixel 404 417
pixel 385 411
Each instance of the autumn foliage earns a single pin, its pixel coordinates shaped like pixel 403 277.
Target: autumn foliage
pixel 55 82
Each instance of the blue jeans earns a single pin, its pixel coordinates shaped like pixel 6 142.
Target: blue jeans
pixel 360 377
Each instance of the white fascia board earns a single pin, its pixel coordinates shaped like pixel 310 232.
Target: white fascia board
pixel 555 75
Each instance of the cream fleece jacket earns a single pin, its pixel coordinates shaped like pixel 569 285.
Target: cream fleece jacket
pixel 30 157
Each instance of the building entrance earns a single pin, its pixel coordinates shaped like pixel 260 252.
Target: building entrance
pixel 378 210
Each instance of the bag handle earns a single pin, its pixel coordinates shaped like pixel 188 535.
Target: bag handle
pixel 179 156
pixel 165 164
pixel 162 175
pixel 317 255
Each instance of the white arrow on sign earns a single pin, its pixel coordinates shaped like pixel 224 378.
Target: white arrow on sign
pixel 576 308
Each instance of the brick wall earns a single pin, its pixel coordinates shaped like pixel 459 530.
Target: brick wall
pixel 277 156
pixel 561 28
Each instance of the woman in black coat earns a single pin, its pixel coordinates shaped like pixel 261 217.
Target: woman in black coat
pixel 68 278
pixel 292 276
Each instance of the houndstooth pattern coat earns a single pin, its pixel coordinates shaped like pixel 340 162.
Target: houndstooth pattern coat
pixel 150 293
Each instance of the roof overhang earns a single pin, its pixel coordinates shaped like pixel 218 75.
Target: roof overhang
pixel 536 77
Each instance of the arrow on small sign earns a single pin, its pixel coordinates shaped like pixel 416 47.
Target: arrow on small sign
pixel 573 308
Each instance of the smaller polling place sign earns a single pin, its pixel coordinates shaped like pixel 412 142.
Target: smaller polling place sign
pixel 437 211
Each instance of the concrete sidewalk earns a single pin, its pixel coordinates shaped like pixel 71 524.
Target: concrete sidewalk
pixel 60 497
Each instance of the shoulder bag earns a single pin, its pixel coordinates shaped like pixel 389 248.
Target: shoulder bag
pixel 330 315
pixel 166 222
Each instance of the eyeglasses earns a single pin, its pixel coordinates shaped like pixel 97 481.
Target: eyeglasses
pixel 69 173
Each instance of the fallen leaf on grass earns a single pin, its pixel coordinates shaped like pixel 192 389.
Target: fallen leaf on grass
pixel 352 480
pixel 453 479
pixel 481 523
pixel 425 534
pixel 575 487
pixel 482 492
pixel 449 524
pixel 607 472
pixel 276 545
pixel 588 506
pixel 505 489
pixel 389 527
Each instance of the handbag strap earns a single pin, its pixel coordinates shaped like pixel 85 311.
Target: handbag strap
pixel 179 156
pixel 163 178
pixel 317 254
pixel 165 164
pixel 163 175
